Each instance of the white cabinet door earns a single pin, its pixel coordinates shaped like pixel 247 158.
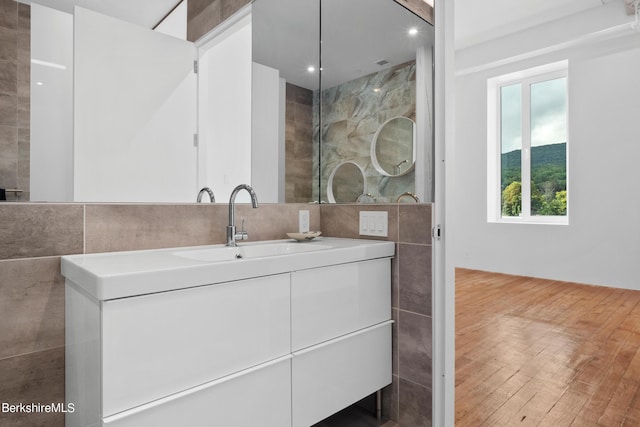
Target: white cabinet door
pixel 159 344
pixel 331 376
pixel 260 396
pixel 332 301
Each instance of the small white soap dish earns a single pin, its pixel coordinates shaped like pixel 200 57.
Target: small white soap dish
pixel 307 235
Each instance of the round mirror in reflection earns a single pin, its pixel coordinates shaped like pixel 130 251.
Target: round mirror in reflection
pixel 346 183
pixel 393 147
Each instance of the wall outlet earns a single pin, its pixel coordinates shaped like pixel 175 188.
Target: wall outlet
pixel 374 223
pixel 303 221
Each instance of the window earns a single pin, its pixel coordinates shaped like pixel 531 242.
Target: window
pixel 527 146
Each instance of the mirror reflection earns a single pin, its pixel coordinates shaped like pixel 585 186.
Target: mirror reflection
pixel 369 74
pixel 347 183
pixel 339 84
pixel 393 147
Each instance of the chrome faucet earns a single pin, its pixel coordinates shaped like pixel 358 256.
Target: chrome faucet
pixel 209 192
pixel 231 228
pixel 408 194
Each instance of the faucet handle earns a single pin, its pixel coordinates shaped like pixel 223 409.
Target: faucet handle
pixel 242 234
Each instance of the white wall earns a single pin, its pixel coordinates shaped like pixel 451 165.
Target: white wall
pixel 134 113
pixel 175 24
pixel 267 140
pixel 224 116
pixel 602 241
pixel 51 105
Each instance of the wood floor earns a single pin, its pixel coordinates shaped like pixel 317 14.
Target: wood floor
pixel 532 352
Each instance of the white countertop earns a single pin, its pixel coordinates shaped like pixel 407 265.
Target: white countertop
pixel 112 275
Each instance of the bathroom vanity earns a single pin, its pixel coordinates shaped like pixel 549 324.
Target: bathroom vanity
pixel 272 333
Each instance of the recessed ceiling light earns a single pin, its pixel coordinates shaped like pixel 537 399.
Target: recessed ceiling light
pixel 311 68
pixel 413 31
pixel 39 83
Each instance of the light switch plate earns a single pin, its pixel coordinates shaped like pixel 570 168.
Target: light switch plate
pixel 374 223
pixel 303 221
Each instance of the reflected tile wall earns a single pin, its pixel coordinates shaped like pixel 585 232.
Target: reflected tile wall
pixel 298 144
pixel 408 399
pixel 419 7
pixel 352 113
pixel 14 97
pixel 204 15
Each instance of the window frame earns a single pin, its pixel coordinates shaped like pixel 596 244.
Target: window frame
pixel 526 78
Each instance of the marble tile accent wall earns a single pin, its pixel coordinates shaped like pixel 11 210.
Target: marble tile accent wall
pixel 408 399
pixel 14 97
pixel 298 144
pixel 351 114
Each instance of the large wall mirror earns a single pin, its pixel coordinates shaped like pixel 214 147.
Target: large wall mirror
pixel 355 72
pixel 337 72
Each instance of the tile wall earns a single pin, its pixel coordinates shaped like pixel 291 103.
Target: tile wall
pixel 420 8
pixel 298 144
pixel 14 97
pixel 408 399
pixel 32 289
pixel 33 238
pixel 352 112
pixel 203 15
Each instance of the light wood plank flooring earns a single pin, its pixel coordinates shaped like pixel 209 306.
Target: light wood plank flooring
pixel 533 352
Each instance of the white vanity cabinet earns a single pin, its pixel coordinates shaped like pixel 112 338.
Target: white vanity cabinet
pixel 278 341
pixel 340 337
pixel 143 349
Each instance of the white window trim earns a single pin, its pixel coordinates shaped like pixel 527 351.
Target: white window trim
pixel 494 196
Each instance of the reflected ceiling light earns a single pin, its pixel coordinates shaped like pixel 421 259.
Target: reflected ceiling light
pixel 429 2
pixel 376 90
pixel 48 64
pixel 311 68
pixel 413 31
pixel 39 83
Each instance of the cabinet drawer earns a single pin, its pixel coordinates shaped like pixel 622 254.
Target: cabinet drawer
pixel 156 345
pixel 331 376
pixel 260 396
pixel 332 301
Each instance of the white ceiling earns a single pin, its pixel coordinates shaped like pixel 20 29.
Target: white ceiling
pixel 142 12
pixel 475 21
pixel 356 34
pixel 479 21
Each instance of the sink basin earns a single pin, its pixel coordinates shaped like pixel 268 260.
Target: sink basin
pixel 225 253
pixel 114 275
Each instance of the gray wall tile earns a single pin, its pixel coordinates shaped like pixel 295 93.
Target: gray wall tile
pixel 390 399
pixel 415 407
pixel 414 223
pixel 133 227
pixel 342 220
pixel 8 14
pixel 38 230
pixel 273 221
pixel 414 265
pixel 35 377
pixel 414 348
pixel 32 305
